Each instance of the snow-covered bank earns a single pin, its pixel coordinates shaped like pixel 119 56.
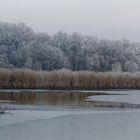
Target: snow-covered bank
pixel 16 116
pixel 70 125
pixel 130 96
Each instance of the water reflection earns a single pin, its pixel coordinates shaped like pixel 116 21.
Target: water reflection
pixel 65 99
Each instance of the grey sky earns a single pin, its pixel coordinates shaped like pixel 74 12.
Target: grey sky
pixel 113 19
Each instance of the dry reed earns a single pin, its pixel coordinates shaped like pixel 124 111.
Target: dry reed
pixel 66 79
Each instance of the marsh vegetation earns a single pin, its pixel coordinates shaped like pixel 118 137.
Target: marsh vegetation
pixel 66 79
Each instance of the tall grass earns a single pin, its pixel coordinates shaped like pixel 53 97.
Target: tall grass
pixel 65 79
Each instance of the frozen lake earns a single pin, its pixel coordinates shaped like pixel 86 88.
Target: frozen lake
pixel 84 115
pixel 107 125
pixel 130 96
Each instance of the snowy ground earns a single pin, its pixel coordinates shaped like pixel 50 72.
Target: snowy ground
pixel 16 116
pixel 130 96
pixel 70 125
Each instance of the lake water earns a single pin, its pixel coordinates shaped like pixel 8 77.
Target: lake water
pixel 70 99
pixel 79 118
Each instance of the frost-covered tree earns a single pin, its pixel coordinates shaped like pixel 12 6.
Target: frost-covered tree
pixel 21 47
pixel 75 51
pixel 116 67
pixel 131 66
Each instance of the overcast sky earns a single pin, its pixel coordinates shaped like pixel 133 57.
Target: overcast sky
pixel 111 19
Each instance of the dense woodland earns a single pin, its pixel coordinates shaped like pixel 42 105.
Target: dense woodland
pixel 21 47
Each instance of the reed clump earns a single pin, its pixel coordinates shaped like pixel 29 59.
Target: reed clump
pixel 66 79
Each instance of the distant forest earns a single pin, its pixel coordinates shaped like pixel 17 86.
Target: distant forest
pixel 21 47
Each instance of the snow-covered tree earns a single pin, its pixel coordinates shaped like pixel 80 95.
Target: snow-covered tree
pixel 21 47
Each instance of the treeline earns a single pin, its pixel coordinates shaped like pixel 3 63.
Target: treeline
pixel 21 47
pixel 66 79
